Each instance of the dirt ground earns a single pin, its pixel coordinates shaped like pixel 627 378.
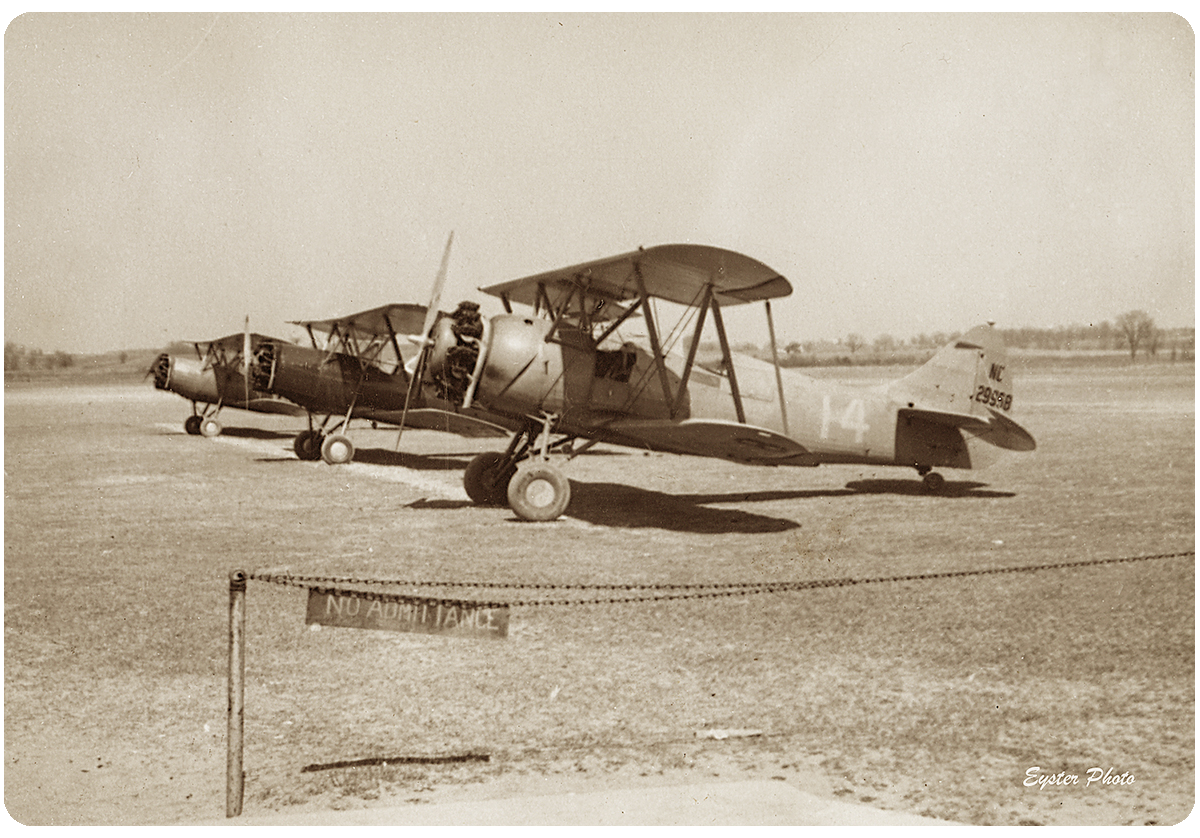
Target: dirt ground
pixel 942 697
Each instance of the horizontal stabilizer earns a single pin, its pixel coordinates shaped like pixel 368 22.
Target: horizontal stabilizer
pixel 710 438
pixel 995 429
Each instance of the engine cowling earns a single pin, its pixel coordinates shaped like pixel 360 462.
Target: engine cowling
pixel 187 377
pixel 522 373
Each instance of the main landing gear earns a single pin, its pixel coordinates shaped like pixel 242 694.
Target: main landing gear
pixel 334 449
pixel 523 476
pixel 932 482
pixel 198 425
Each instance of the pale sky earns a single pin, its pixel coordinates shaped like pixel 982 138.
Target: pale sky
pixel 168 175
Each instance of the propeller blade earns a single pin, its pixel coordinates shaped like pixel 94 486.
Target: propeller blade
pixel 439 283
pixel 431 313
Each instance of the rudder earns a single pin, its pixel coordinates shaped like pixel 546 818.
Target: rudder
pixel 967 376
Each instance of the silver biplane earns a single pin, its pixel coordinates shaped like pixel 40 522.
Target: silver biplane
pixel 355 369
pixel 563 373
pixel 215 378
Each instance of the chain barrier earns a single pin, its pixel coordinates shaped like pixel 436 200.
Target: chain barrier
pixel 659 592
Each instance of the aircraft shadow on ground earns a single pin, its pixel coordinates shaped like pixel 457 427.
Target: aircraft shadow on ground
pixel 957 489
pixel 456 461
pixel 915 488
pixel 629 507
pixel 383 457
pixel 256 433
pixel 766 496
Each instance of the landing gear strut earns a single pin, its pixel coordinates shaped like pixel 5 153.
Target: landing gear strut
pixel 535 489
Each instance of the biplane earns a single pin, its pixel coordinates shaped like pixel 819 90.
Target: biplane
pixel 564 373
pixel 215 379
pixel 355 369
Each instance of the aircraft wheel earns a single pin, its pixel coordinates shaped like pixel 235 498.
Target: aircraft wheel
pixel 192 425
pixel 539 492
pixel 337 449
pixel 933 482
pixel 210 427
pixel 483 481
pixel 307 445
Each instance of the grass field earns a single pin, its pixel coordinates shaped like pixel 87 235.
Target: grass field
pixel 931 696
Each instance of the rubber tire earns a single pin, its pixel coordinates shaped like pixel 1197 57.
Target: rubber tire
pixel 933 483
pixel 337 450
pixel 539 492
pixel 483 481
pixel 210 428
pixel 192 425
pixel 307 445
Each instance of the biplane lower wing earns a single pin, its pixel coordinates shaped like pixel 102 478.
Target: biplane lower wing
pixel 432 419
pixel 711 438
pixel 281 407
pixel 996 429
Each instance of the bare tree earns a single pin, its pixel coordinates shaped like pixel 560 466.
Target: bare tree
pixel 1137 327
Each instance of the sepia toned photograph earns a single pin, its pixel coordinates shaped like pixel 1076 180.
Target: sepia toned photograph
pixel 615 419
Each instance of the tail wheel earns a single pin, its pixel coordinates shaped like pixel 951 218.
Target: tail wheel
pixel 192 425
pixel 539 492
pixel 337 449
pixel 210 427
pixel 484 479
pixel 307 445
pixel 933 482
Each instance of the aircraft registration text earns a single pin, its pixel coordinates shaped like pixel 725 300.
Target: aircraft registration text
pixel 993 398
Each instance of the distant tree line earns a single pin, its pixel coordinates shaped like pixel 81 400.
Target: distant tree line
pixel 18 357
pixel 1133 331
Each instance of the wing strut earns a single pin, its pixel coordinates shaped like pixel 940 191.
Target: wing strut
pixel 616 324
pixel 778 373
pixel 691 358
pixel 728 360
pixel 652 330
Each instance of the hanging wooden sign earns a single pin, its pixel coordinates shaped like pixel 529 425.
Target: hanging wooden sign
pixel 346 609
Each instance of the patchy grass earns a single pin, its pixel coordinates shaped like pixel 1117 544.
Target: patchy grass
pixel 934 697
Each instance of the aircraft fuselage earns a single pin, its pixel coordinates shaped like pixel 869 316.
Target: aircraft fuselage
pixel 593 391
pixel 325 382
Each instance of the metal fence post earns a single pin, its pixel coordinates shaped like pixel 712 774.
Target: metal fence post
pixel 234 777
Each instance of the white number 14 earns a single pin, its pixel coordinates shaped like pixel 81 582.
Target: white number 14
pixel 853 418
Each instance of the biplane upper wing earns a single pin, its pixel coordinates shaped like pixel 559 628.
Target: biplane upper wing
pixel 394 319
pixel 234 342
pixel 710 438
pixel 678 273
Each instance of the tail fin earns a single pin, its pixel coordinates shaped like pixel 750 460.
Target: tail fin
pixel 968 384
pixel 966 376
